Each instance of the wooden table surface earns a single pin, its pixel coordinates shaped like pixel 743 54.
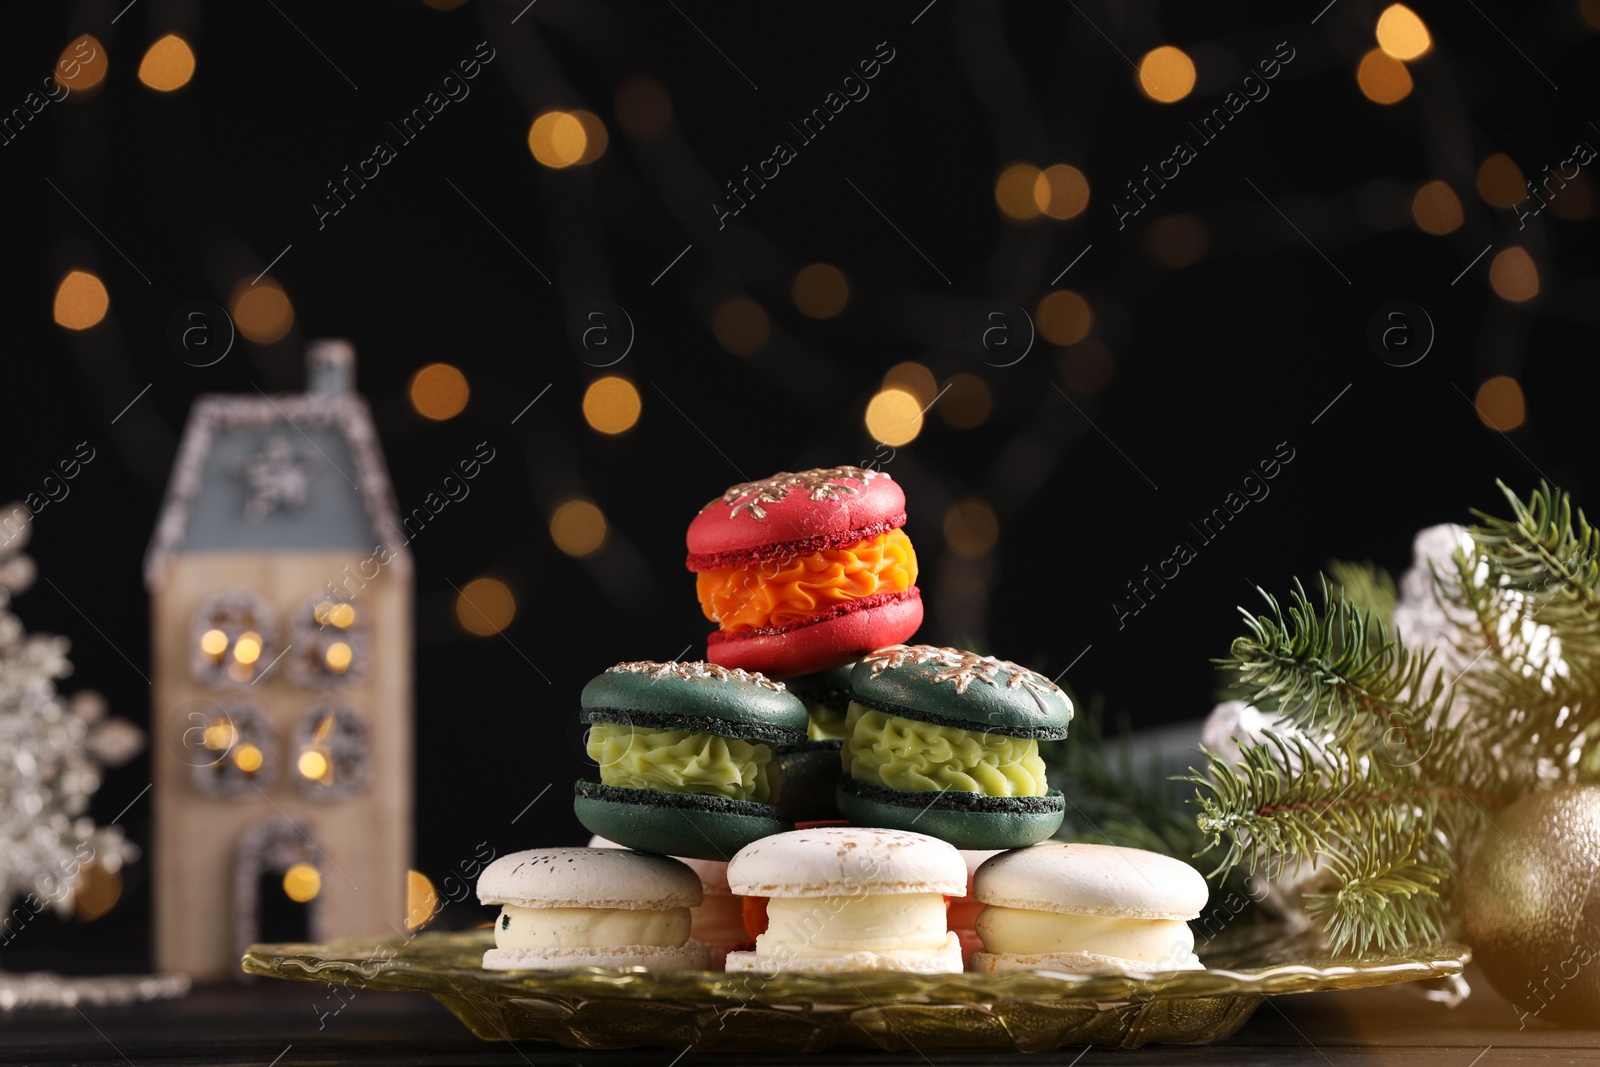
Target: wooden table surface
pixel 269 1022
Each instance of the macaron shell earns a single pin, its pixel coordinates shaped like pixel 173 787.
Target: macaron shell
pixel 588 878
pixel 846 861
pixel 946 961
pixel 1085 879
pixel 675 824
pixel 808 778
pixel 963 819
pixel 823 641
pixel 856 505
pixel 1077 963
pixel 821 687
pixel 690 956
pixel 893 680
pixel 757 709
pixel 713 874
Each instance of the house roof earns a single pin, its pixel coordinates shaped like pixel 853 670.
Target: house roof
pixel 298 472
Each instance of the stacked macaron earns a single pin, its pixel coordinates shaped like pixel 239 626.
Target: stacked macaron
pixel 717 922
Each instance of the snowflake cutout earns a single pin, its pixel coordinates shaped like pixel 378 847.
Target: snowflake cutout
pixel 823 483
pixel 959 666
pixel 690 670
pixel 276 477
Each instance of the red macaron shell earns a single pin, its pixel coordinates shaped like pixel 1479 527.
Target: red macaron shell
pixel 823 641
pixel 856 505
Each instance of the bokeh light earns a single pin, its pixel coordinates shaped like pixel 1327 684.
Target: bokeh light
pixel 1014 191
pixel 338 657
pixel 1061 191
pixel 214 643
pixel 1500 404
pixel 312 765
pixel 560 139
pixel 81 300
pixel 1402 34
pixel 248 648
pixel 1383 78
pixel 1177 241
pixel 578 528
pixel 1166 74
pixel 1436 208
pixel 302 883
pixel 1513 275
pixel 249 758
pixel 485 606
pixel 261 312
pixel 912 377
pixel 1500 181
pixel 894 417
pixel 168 64
pixel 439 391
pixel 611 405
pixel 1589 11
pixel 96 893
pixel 595 137
pixel 83 64
pixel 1064 317
pixel 971 528
pixel 820 290
pixel 422 900
pixel 1087 367
pixel 741 326
pixel 966 402
pixel 643 107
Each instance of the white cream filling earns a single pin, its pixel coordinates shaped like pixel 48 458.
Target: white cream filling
pixel 589 927
pixel 904 923
pixel 1028 933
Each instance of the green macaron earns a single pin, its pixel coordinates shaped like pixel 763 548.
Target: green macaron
pixel 809 771
pixel 944 742
pixel 687 757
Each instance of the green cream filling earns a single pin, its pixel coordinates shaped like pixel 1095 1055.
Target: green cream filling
pixel 826 722
pixel 642 757
pixel 917 757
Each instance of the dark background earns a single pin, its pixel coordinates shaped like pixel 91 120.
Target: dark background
pixel 1215 364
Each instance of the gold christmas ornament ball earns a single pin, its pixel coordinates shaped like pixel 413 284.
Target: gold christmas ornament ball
pixel 1529 907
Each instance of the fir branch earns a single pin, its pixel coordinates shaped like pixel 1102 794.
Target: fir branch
pixel 1385 897
pixel 1366 587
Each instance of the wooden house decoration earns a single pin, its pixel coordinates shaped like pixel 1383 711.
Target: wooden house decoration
pixel 280 596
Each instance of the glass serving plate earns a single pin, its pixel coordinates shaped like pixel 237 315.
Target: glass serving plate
pixel 713 1011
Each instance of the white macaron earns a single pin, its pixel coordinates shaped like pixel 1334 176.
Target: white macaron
pixel 1056 906
pixel 848 898
pixel 591 907
pixel 718 921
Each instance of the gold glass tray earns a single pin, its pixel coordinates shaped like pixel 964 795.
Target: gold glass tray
pixel 711 1011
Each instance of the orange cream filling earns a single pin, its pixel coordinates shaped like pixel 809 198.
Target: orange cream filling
pixel 779 592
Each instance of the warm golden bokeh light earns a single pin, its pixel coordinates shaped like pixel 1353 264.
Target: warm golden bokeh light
pixel 558 139
pixel 1383 78
pixel 1087 367
pixel 1513 275
pixel 220 735
pixel 485 606
pixel 1014 191
pixel 338 657
pixel 1061 191
pixel 971 528
pixel 1166 74
pixel 741 326
pixel 894 417
pixel 262 311
pixel 422 901
pixel 820 290
pixel 1500 181
pixel 248 648
pixel 213 643
pixel 578 528
pixel 302 883
pixel 595 137
pixel 1064 317
pixel 439 391
pixel 249 758
pixel 312 764
pixel 1436 208
pixel 643 106
pixel 1589 11
pixel 168 64
pixel 81 300
pixel 611 405
pixel 1177 241
pixel 1500 404
pixel 1402 34
pixel 96 893
pixel 83 64
pixel 912 377
pixel 966 401
pixel 341 615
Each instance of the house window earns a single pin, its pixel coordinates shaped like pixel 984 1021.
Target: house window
pixel 328 644
pixel 233 639
pixel 332 752
pixel 231 749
